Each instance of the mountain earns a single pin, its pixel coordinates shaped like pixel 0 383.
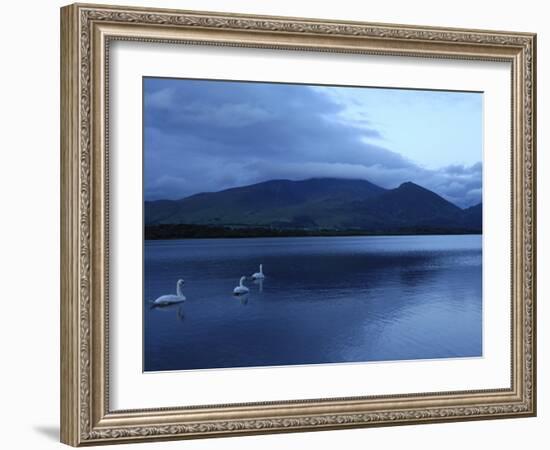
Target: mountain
pixel 407 206
pixel 473 216
pixel 319 204
pixel 275 202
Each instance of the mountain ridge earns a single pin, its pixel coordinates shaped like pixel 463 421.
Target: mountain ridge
pixel 317 204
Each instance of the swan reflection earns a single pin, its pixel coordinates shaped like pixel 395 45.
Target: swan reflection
pixel 260 283
pixel 171 308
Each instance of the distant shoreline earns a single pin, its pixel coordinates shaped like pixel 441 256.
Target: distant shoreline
pixel 188 231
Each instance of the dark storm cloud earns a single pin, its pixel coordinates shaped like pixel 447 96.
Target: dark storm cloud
pixel 209 135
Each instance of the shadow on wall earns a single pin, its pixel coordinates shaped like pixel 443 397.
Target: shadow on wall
pixel 49 431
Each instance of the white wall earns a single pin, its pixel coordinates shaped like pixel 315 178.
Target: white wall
pixel 29 226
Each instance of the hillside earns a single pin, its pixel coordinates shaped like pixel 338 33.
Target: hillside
pixel 317 204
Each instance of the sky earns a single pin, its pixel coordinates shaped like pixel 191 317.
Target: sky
pixel 206 135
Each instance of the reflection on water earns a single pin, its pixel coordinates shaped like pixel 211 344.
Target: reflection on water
pixel 326 300
pixel 172 308
pixel 260 284
pixel 243 299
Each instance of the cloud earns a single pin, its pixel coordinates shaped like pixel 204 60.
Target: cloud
pixel 461 185
pixel 161 99
pixel 209 135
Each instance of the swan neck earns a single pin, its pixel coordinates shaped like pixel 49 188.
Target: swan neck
pixel 179 290
pixel 241 282
pixel 261 269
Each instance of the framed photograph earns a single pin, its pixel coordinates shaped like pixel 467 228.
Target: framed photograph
pixel 275 224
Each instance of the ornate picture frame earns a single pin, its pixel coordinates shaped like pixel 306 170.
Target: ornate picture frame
pixel 87 31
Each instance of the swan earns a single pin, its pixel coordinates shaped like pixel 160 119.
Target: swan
pixel 259 275
pixel 171 299
pixel 241 289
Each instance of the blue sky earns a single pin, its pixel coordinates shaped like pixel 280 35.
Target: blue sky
pixel 204 135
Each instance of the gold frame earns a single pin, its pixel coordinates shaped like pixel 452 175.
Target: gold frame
pixel 86 31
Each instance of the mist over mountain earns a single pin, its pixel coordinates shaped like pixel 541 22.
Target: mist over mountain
pixel 318 205
pixel 210 135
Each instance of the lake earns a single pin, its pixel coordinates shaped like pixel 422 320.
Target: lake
pixel 324 300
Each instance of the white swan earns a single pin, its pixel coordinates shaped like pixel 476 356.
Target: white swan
pixel 171 299
pixel 241 289
pixel 259 275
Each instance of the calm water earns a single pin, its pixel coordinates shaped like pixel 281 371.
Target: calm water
pixel 324 300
